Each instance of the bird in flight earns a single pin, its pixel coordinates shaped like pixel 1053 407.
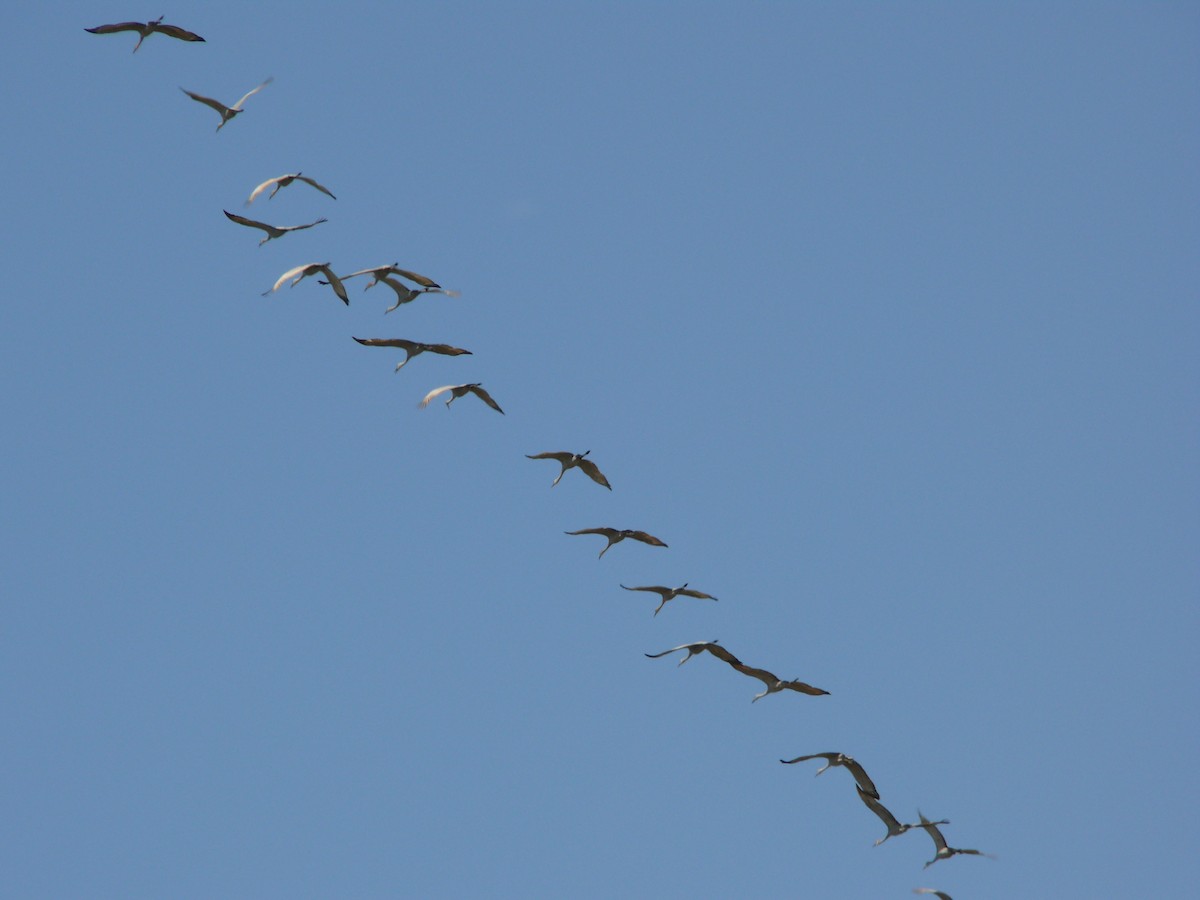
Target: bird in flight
pixel 699 647
pixel 404 294
pixel 894 826
pixel 301 272
pixel 145 29
pixel 615 536
pixel 669 593
pixel 273 231
pixel 840 759
pixel 457 390
pixel 283 181
pixel 226 112
pixel 944 850
pixel 941 895
pixel 412 348
pixel 775 684
pixel 571 461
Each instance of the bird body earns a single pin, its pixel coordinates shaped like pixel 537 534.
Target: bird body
pixel 145 29
pixel 571 461
pixel 458 390
pixel 273 231
pixel 226 112
pixel 775 684
pixel 699 647
pixel 301 272
pixel 668 593
pixel 615 536
pixel 412 348
pixel 864 781
pixel 944 850
pixel 283 181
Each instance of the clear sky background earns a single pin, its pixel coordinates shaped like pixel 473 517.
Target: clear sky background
pixel 883 316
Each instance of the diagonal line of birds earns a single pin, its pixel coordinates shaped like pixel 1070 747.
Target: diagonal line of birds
pixel 395 277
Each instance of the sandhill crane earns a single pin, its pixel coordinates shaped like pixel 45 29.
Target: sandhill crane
pixel 404 294
pixel 301 272
pixel 841 759
pixel 668 593
pixel 894 826
pixel 615 536
pixel 412 348
pixel 941 895
pixel 572 461
pixel 775 684
pixel 273 231
pixel 283 181
pixel 145 29
pixel 226 112
pixel 944 850
pixel 699 647
pixel 457 390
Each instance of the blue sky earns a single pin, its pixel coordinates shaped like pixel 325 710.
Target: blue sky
pixel 882 316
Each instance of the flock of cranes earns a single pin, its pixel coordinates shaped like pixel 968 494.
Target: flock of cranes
pixel 395 277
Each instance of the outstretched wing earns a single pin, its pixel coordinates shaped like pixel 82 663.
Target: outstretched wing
pixel 251 223
pixel 262 187
pixel 418 279
pixel 208 101
pixel 761 674
pixel 319 187
pixel 646 538
pixel 176 32
pixel 699 595
pixel 300 227
pixel 387 342
pixel 561 455
pixel 593 472
pixel 483 395
pixel 828 757
pixel 803 688
pixel 246 96
pixel 607 532
pixel 298 272
pixel 113 29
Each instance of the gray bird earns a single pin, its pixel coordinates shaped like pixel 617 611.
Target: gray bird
pixel 458 390
pixel 841 759
pixel 412 348
pixel 302 272
pixel 226 112
pixel 944 850
pixel 273 231
pixel 615 536
pixel 145 29
pixel 283 181
pixel 775 684
pixel 699 647
pixel 894 826
pixel 941 895
pixel 668 593
pixel 571 461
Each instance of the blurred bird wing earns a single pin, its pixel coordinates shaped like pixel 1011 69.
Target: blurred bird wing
pixel 721 653
pixel 699 595
pixel 251 223
pixel 607 532
pixel 299 272
pixel 334 281
pixel 436 392
pixel 119 26
pixel 860 776
pixel 939 840
pixel 262 187
pixel 761 674
pixel 803 688
pixel 446 350
pixel 651 588
pixel 693 648
pixel 246 96
pixel 885 815
pixel 561 455
pixel 829 757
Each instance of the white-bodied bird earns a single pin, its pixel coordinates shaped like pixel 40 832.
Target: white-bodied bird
pixel 573 460
pixel 273 231
pixel 145 29
pixel 412 348
pixel 226 112
pixel 458 390
pixel 283 181
pixel 669 593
